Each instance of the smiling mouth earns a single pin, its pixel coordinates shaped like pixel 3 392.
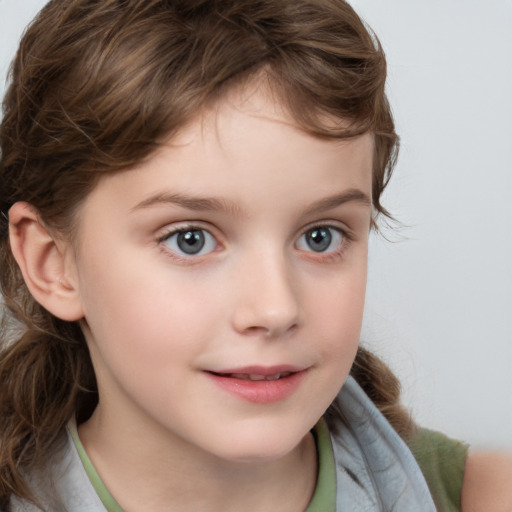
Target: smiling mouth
pixel 254 376
pixel 260 385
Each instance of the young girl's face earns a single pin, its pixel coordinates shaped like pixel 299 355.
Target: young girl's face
pixel 222 282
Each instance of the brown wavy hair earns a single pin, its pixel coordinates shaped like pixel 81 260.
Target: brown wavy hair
pixel 96 85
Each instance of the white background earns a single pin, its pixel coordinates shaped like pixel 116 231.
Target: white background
pixel 439 307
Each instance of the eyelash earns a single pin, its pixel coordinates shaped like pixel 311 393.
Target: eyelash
pixel 337 254
pixel 325 257
pixel 167 235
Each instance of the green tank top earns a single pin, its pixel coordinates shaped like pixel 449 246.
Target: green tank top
pixel 442 461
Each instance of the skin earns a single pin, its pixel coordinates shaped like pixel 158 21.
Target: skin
pixel 487 484
pixel 157 320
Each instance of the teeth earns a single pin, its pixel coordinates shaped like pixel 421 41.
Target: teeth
pixel 256 377
pixel 242 376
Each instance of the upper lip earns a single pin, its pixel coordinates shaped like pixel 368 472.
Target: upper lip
pixel 265 371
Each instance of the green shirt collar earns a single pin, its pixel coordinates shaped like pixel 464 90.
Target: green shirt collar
pixel 103 493
pixel 324 498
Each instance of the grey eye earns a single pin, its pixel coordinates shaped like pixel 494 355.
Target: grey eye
pixel 320 239
pixel 191 242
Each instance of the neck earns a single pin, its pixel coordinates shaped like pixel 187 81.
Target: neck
pixel 172 476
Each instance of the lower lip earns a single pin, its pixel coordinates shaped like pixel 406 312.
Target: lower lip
pixel 259 391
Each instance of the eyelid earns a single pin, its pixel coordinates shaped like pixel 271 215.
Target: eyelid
pixel 167 232
pixel 172 230
pixel 332 224
pixel 347 237
pixel 186 225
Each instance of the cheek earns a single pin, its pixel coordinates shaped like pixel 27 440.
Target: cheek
pixel 338 308
pixel 151 312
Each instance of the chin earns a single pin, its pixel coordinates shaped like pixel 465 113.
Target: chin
pixel 261 447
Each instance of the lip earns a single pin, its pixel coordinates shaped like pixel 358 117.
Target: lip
pixel 259 384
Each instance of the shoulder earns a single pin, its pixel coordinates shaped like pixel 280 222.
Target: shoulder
pixel 487 484
pixel 442 461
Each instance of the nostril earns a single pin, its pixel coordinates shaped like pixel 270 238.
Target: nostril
pixel 270 332
pixel 257 331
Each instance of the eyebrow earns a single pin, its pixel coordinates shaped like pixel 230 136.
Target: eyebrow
pixel 330 202
pixel 226 206
pixel 200 204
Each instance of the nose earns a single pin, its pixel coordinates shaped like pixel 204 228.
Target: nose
pixel 267 297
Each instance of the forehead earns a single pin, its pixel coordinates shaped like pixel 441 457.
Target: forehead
pixel 265 99
pixel 248 134
pixel 253 117
pixel 247 149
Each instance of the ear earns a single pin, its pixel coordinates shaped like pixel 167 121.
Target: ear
pixel 47 263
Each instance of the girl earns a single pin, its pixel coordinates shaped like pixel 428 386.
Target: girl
pixel 187 190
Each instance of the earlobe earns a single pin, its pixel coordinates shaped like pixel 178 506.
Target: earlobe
pixel 43 263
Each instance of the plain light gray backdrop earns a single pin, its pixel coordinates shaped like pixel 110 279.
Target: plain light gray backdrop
pixel 439 304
